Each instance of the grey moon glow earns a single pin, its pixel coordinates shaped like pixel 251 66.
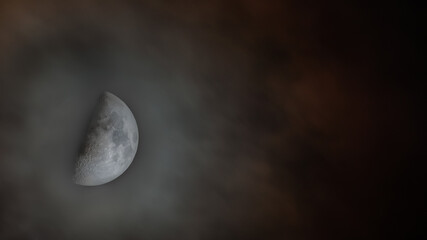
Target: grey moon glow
pixel 111 143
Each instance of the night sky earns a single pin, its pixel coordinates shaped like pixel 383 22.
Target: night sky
pixel 289 119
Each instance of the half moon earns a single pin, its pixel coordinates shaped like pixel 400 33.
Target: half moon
pixel 110 145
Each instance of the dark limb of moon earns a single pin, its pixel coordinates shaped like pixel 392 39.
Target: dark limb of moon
pixel 110 145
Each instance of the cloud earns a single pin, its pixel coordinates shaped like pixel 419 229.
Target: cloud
pixel 253 124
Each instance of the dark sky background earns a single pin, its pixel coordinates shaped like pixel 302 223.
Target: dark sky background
pixel 258 119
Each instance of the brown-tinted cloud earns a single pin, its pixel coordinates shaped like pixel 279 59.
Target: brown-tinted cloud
pixel 258 120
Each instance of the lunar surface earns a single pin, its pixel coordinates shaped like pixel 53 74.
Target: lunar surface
pixel 110 145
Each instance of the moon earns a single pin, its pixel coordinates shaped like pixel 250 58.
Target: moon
pixel 111 143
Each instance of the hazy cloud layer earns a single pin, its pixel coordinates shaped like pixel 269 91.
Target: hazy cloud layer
pixel 257 121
